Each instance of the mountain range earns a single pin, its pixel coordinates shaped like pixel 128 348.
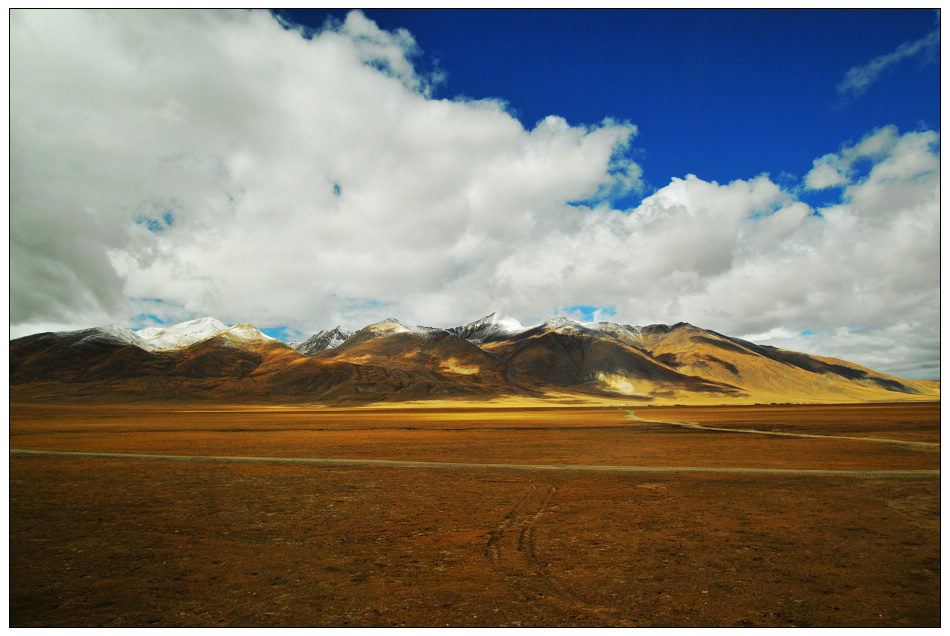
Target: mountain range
pixel 493 357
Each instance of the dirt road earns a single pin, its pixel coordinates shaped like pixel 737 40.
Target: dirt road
pixel 695 425
pixel 421 464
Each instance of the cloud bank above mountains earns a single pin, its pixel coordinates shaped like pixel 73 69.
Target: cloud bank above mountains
pixel 176 164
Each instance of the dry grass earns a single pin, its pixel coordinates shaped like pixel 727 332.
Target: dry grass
pixel 125 542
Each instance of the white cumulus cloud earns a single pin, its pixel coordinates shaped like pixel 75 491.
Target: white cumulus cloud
pixel 191 163
pixel 303 177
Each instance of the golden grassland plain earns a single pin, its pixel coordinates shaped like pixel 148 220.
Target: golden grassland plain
pixel 124 541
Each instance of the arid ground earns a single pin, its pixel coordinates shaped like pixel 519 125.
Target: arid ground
pixel 600 515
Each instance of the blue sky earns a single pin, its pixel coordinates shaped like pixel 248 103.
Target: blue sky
pixel 771 175
pixel 721 94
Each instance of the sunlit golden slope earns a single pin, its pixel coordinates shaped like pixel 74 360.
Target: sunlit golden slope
pixel 768 374
pixel 388 362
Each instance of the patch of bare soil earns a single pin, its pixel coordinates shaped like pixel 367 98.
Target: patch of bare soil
pixel 122 542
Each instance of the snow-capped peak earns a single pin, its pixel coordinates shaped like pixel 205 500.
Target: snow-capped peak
pixel 624 333
pixel 390 325
pixel 109 334
pixel 336 337
pixel 246 332
pixel 505 323
pixel 122 333
pixel 494 319
pixel 488 328
pixel 181 334
pixel 562 322
pixel 322 340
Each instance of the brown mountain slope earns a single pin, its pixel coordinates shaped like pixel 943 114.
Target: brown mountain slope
pixel 426 362
pixel 771 374
pixel 378 365
pixel 78 357
pixel 590 362
pixel 387 361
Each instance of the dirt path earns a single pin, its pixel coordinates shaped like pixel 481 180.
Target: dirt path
pixel 694 425
pixel 511 543
pixel 422 464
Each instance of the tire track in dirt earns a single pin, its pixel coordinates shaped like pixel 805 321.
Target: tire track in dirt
pixel 699 427
pixel 512 552
pixel 526 536
pixel 511 544
pixel 399 463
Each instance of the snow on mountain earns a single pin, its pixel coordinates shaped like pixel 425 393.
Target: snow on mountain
pixel 108 334
pixel 322 340
pixel 179 335
pixel 392 326
pixel 496 327
pixel 391 361
pixel 491 327
pixel 565 325
pixel 506 324
pixel 245 332
pixel 627 334
pixel 337 337
pixel 624 333
pixel 388 326
pixel 562 323
pixel 122 333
